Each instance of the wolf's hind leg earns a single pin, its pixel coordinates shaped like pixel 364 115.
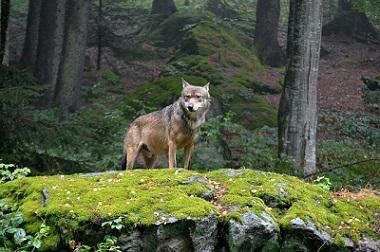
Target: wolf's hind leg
pixel 132 153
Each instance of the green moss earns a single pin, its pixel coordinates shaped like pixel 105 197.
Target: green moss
pixel 161 92
pixel 254 111
pixel 76 203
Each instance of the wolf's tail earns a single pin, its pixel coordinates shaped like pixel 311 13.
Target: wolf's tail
pixel 124 162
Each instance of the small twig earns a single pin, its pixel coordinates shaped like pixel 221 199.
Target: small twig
pixel 341 166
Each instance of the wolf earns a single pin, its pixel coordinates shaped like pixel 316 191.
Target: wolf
pixel 164 132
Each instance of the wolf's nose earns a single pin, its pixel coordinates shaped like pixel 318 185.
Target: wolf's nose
pixel 190 108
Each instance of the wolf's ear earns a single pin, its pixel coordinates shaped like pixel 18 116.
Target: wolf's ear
pixel 185 83
pixel 207 86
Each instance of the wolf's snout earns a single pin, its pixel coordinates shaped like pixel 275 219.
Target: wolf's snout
pixel 190 107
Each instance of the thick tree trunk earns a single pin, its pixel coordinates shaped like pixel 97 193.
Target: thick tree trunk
pixel 164 7
pixel 50 43
pixel 350 22
pixel 297 117
pixel 100 34
pixel 67 92
pixel 266 42
pixel 29 53
pixel 4 21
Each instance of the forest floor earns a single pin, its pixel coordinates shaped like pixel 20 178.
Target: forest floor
pixel 340 85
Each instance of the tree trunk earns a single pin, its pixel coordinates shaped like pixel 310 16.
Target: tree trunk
pixel 266 42
pixel 50 43
pixel 297 117
pixel 29 53
pixel 100 34
pixel 351 23
pixel 164 7
pixel 70 74
pixel 4 21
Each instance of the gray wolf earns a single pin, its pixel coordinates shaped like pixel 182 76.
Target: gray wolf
pixel 164 132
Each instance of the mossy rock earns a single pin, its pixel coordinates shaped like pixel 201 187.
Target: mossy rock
pixel 160 93
pixel 77 204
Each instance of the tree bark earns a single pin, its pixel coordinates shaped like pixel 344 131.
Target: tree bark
pixel 50 44
pixel 67 92
pixel 266 42
pixel 29 53
pixel 100 34
pixel 297 117
pixel 164 7
pixel 4 21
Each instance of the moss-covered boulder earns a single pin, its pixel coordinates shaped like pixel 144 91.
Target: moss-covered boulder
pixel 177 210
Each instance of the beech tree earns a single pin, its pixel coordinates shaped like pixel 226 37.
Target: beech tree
pixel 266 42
pixel 297 115
pixel 4 21
pixel 29 52
pixel 50 44
pixel 164 7
pixel 71 68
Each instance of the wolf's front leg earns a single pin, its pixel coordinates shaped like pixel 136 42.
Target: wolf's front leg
pixel 172 154
pixel 188 151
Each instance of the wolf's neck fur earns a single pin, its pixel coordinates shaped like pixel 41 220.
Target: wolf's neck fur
pixel 192 122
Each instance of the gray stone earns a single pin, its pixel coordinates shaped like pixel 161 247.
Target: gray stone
pixel 130 243
pixel 203 234
pixel 310 230
pixel 251 232
pixel 193 180
pixel 369 245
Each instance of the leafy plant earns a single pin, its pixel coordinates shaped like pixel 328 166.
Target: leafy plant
pixel 12 235
pixel 323 182
pixel 10 172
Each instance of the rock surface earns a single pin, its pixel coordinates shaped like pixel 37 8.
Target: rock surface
pixel 179 210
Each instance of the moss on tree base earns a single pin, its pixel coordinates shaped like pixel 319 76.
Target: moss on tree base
pixel 75 206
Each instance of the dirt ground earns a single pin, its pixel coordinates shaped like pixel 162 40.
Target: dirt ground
pixel 340 85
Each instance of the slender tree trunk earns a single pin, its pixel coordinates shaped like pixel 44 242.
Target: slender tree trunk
pixel 71 69
pixel 100 35
pixel 266 42
pixel 297 117
pixel 4 21
pixel 50 43
pixel 164 7
pixel 29 53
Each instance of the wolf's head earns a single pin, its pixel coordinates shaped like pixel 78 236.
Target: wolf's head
pixel 195 99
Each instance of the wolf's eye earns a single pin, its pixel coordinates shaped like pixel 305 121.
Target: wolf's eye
pixel 188 96
pixel 198 96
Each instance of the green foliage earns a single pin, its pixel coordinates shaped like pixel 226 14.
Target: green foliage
pixel 332 154
pixel 9 172
pixel 323 182
pixel 13 237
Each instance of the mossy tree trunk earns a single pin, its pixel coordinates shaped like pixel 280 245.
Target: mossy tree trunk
pixel 350 22
pixel 266 42
pixel 164 7
pixel 70 74
pixel 297 117
pixel 4 16
pixel 50 44
pixel 29 53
